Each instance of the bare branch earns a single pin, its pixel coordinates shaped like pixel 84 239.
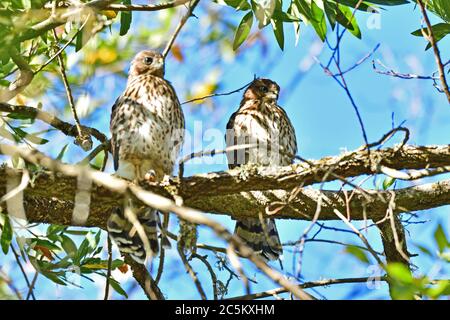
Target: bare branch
pixel 191 7
pixel 65 127
pixel 432 39
pixel 83 140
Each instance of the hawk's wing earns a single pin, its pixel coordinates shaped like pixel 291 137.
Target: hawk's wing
pixel 231 140
pixel 114 145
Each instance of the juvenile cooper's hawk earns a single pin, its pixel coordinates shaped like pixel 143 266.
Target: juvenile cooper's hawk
pixel 259 120
pixel 147 128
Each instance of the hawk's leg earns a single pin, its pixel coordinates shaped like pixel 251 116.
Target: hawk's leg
pixel 150 176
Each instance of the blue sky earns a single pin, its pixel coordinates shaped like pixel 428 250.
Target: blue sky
pixel 325 124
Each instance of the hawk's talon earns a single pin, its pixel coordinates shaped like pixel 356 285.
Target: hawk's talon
pixel 150 176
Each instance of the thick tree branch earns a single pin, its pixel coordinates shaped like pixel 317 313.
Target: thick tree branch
pixel 52 197
pixel 349 164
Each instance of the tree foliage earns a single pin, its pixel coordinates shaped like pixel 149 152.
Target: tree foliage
pixel 95 36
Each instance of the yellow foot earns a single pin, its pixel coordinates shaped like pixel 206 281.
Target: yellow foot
pixel 150 176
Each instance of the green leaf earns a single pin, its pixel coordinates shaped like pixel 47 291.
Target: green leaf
pixel 117 263
pixel 238 4
pixel 318 21
pixel 304 9
pixel 69 246
pixel 440 289
pixel 20 116
pixel 440 30
pixel 116 286
pixel 53 277
pixel 7 234
pixel 278 31
pixel 54 229
pixel 441 239
pixel 79 41
pixel 293 10
pixel 284 16
pixel 346 18
pixel 125 19
pixel 331 11
pixel 263 11
pixel 31 137
pixel 62 152
pixel 357 253
pixel 77 232
pixel 400 272
pixel 243 30
pixel 388 181
pixel 363 6
pixel 45 243
pixel 424 250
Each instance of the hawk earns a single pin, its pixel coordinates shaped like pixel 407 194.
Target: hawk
pixel 261 122
pixel 147 131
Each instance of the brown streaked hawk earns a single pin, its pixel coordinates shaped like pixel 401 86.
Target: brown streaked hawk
pixel 147 128
pixel 262 122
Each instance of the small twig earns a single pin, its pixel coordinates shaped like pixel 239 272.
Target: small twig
pixel 389 135
pixel 360 235
pixel 235 263
pixel 108 273
pixel 22 270
pixel 31 287
pixel 306 285
pixel 145 280
pixel 211 153
pixel 104 146
pixel 191 7
pixel 393 73
pixel 210 270
pixel 191 272
pixel 69 41
pixel 23 79
pixel 294 243
pixel 390 212
pixel 432 39
pixel 413 174
pixel 218 94
pixel 65 127
pixel 162 254
pixel 84 141
pixel 10 284
pixel 359 62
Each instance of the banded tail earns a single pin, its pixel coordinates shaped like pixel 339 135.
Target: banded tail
pixel 264 240
pixel 124 234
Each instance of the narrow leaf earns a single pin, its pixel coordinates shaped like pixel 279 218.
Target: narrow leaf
pixel 243 30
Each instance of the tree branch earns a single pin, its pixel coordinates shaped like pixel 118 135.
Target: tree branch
pixel 51 199
pixel 432 39
pixel 65 127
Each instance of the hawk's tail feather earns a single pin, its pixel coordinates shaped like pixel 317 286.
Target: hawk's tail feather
pixel 123 233
pixel 264 240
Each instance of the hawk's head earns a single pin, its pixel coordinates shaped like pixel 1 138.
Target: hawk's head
pixel 262 89
pixel 147 62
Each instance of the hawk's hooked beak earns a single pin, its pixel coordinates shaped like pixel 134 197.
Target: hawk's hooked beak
pixel 160 62
pixel 272 95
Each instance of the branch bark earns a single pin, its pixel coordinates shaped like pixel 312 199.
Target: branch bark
pixel 65 127
pixel 52 197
